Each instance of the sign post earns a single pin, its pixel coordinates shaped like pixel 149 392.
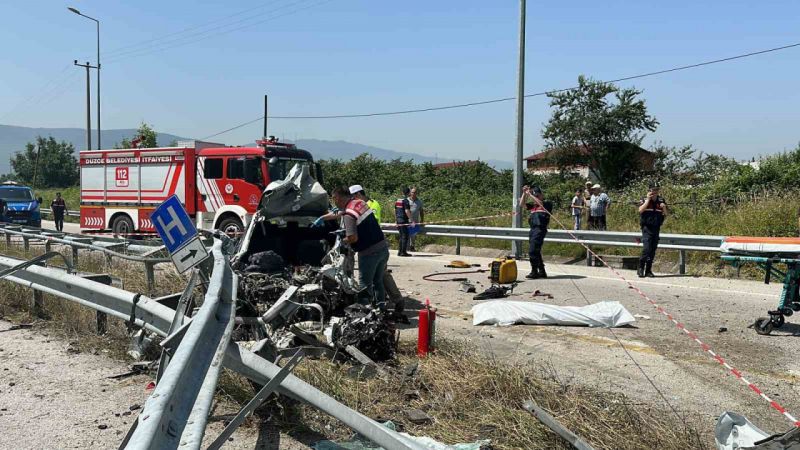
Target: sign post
pixel 175 227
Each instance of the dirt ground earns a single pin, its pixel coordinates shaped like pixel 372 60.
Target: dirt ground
pixel 52 397
pixel 719 311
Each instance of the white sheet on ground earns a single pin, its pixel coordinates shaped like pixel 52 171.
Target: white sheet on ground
pixel 504 312
pixel 734 431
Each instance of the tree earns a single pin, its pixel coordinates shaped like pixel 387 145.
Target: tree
pixel 57 166
pixel 598 124
pixel 146 135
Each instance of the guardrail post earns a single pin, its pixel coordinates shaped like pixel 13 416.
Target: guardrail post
pixel 74 257
pixel 8 240
pixel 38 304
pixel 48 246
pixel 682 262
pixel 150 275
pixel 26 243
pixel 458 245
pixel 588 256
pixel 101 319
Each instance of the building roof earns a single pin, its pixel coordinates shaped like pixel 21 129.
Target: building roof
pixel 584 150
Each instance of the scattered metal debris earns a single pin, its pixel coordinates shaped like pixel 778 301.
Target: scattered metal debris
pixel 556 426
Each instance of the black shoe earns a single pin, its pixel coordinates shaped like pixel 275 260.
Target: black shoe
pixel 404 254
pixel 542 273
pixel 648 271
pixel 532 275
pixel 640 270
pixel 413 249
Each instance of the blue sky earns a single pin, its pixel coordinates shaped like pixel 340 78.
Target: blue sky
pixel 355 56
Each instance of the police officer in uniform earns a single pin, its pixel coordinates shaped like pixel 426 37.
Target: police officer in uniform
pixel 652 212
pixel 533 200
pixel 402 217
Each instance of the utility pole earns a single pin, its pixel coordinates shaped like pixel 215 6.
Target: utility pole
pixel 516 220
pixel 265 117
pixel 88 104
pixel 97 22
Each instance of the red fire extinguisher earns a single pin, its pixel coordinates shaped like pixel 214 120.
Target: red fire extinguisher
pixel 427 329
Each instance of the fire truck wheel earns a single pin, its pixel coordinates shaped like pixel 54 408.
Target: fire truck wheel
pixel 122 225
pixel 231 226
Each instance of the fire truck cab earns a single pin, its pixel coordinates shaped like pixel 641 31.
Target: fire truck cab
pixel 220 186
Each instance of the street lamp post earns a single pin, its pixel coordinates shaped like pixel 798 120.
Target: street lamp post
pixel 97 22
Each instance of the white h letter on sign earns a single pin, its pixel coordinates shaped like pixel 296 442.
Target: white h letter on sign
pixel 175 222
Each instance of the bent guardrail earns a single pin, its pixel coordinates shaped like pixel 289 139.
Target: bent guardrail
pixel 187 386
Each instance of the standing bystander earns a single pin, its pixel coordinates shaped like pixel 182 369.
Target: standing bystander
pixel 577 206
pixel 402 217
pixel 417 215
pixel 598 207
pixel 59 208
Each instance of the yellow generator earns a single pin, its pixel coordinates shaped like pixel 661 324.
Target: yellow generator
pixel 503 270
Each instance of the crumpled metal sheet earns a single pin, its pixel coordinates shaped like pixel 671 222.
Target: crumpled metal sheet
pixel 298 194
pixel 735 432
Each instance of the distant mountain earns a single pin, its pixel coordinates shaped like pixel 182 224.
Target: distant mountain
pixel 14 138
pixel 348 150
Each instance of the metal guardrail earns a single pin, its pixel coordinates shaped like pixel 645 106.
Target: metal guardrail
pixel 140 251
pixel 668 241
pixel 177 410
pixel 147 313
pixel 68 213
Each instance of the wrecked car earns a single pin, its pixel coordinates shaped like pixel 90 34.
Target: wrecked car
pixel 296 281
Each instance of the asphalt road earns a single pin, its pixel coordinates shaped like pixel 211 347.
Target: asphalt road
pixel 687 376
pixel 69 227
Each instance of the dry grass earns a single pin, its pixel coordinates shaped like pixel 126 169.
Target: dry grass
pixel 470 396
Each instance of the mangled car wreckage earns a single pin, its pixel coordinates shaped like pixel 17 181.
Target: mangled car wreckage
pixel 296 282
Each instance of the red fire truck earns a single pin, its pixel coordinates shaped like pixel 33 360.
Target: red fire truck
pixel 220 186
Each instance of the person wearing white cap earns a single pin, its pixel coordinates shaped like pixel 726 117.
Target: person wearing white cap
pixel 358 192
pixel 598 207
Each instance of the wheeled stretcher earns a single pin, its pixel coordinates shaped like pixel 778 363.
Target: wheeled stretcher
pixel 768 253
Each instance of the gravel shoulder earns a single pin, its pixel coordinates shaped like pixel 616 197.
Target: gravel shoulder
pixel 54 397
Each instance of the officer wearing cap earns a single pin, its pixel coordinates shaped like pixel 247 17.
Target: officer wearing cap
pixel 358 192
pixel 652 212
pixel 533 200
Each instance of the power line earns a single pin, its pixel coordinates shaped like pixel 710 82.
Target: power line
pixel 506 99
pixel 128 47
pixel 196 37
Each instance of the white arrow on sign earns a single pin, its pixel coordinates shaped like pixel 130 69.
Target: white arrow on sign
pixel 188 256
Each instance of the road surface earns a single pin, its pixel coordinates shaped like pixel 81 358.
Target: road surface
pixel 718 310
pixel 69 227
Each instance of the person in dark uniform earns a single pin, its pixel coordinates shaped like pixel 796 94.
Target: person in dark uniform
pixel 59 208
pixel 402 217
pixel 533 200
pixel 652 212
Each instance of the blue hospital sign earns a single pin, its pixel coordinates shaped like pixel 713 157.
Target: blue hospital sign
pixel 173 224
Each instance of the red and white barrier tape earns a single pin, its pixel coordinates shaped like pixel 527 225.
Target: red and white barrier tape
pixel 706 348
